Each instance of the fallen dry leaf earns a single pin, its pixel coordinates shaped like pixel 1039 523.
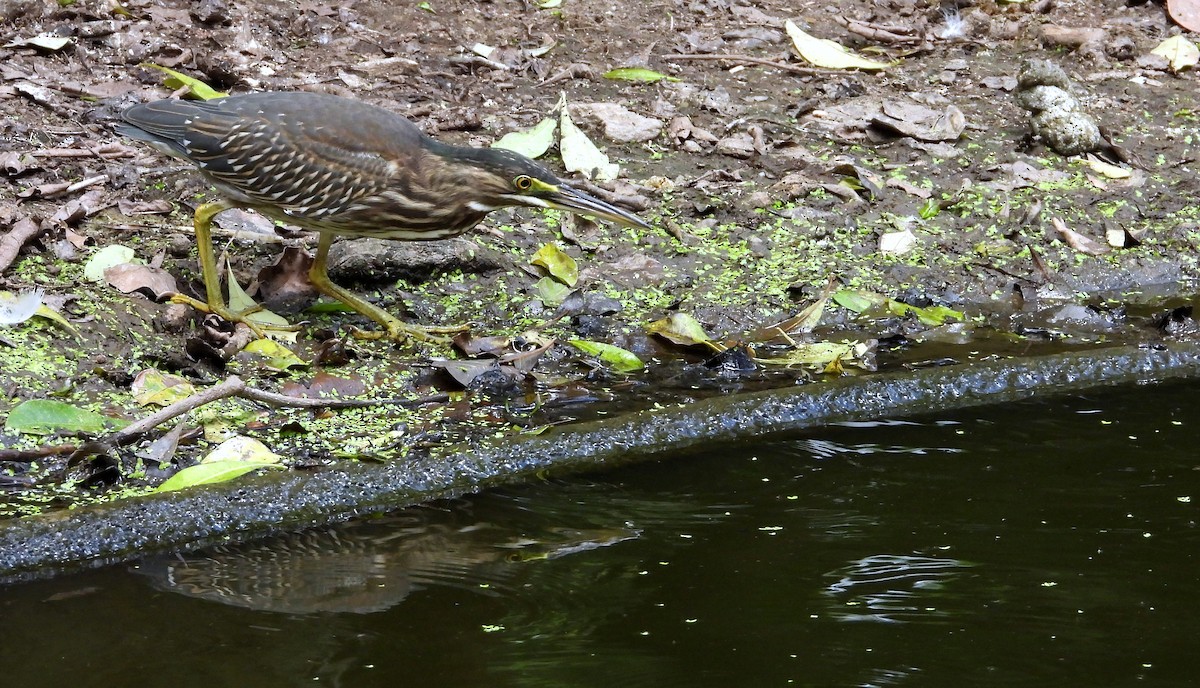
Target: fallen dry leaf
pixel 1078 241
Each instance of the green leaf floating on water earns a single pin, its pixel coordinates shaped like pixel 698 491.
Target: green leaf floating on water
pixel 45 416
pixel 621 360
pixel 648 76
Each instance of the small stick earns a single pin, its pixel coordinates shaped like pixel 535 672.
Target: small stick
pixel 233 386
pixel 750 59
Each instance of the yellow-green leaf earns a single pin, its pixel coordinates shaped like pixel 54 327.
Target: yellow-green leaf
pixel 241 448
pixel 532 143
pixel 276 355
pixel 560 266
pixel 17 308
pixel 155 387
pixel 1179 52
pixel 822 52
pixel 209 473
pixel 105 258
pixel 1107 169
pixel 681 329
pixel 177 80
pixel 857 300
pixel 240 301
pixel 551 291
pixel 622 360
pixel 233 458
pixel 46 416
pixel 826 356
pixel 637 74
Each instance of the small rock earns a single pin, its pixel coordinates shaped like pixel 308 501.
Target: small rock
pixel 1042 73
pixel 620 123
pixel 179 245
pixel 739 145
pixel 1057 117
pixel 211 12
pixel 1000 83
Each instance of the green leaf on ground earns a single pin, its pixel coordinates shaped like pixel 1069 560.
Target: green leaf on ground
pixel 857 300
pixel 680 328
pixel 822 355
pixel 233 458
pixel 154 387
pixel 551 291
pixel 276 355
pixel 239 301
pixel 821 52
pixel 105 258
pixel 930 209
pixel 641 74
pixel 209 473
pixel 45 416
pixel 862 301
pixel 532 143
pixel 177 80
pixel 621 360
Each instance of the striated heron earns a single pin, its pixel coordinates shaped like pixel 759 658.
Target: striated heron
pixel 342 167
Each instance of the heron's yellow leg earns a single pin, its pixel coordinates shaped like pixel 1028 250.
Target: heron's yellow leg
pixel 393 328
pixel 208 269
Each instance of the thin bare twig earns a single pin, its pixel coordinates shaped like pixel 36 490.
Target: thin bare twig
pixel 230 387
pixel 233 386
pixel 750 59
pixel 108 152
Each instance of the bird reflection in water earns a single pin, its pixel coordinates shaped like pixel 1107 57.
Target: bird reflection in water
pixel 368 566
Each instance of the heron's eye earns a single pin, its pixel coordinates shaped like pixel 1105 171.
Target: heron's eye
pixel 523 183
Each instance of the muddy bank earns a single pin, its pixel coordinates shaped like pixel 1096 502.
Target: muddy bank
pixel 69 540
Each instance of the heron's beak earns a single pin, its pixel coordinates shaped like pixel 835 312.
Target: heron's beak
pixel 564 197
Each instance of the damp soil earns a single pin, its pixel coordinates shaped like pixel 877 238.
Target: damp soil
pixel 766 181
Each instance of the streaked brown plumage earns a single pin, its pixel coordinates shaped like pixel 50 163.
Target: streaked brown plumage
pixel 343 167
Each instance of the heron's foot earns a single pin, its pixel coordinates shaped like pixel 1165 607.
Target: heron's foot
pixel 398 331
pixel 220 310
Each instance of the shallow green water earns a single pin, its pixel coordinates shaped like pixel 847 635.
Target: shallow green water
pixel 1047 543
